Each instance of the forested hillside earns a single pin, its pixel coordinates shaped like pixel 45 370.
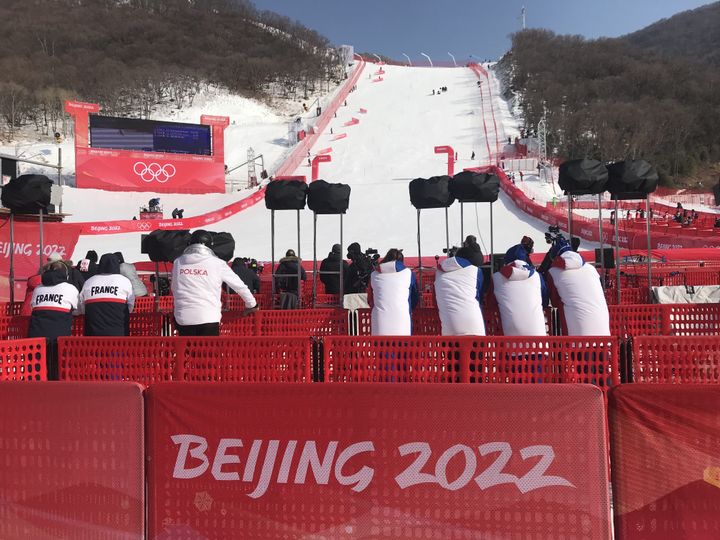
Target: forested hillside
pixel 609 100
pixel 693 34
pixel 130 55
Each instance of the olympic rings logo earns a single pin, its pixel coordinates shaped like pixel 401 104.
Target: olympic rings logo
pixel 143 226
pixel 154 172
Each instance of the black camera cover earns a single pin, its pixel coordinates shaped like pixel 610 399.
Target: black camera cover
pixel 326 198
pixel 223 245
pixel 27 194
pixel 165 246
pixel 286 195
pixel 583 177
pixel 632 179
pixel 431 192
pixel 469 186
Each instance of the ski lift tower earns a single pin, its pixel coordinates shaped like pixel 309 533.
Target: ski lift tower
pixel 542 144
pixel 252 175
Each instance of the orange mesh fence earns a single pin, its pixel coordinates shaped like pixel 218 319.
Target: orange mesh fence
pixel 72 461
pixel 23 360
pixel 592 360
pixel 676 359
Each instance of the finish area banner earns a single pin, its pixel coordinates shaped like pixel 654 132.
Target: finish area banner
pixel 341 461
pixel 666 460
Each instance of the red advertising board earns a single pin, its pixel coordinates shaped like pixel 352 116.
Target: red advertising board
pixel 72 461
pixel 127 170
pixel 376 461
pixel 666 464
pixel 57 237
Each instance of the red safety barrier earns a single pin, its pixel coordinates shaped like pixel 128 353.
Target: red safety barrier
pixel 666 472
pixel 297 322
pixel 72 461
pixel 677 360
pixel 692 319
pixel 151 360
pixel 637 320
pixel 10 309
pixel 249 359
pixel 665 320
pixel 592 360
pixel 14 327
pixel 278 461
pixel 633 295
pixel 23 360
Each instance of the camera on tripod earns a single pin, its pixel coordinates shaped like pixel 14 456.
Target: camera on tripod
pixel 451 251
pixel 553 234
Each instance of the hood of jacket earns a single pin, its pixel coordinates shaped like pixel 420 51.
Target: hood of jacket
pixel 515 253
pixel 109 264
pixel 54 277
pixel 291 259
pixel 453 263
pixel 390 267
pixel 197 252
pixel 569 260
pixel 517 271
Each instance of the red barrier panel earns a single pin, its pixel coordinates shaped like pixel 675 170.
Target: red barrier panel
pixel 72 461
pixel 678 360
pixel 666 473
pixel 249 359
pixel 432 359
pixel 637 320
pixel 23 360
pixel 376 461
pixel 305 322
pixel 693 319
pixel 151 360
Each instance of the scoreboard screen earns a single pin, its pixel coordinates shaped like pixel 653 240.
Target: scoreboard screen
pixel 149 135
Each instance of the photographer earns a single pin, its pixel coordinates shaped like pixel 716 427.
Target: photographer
pixel 521 251
pixel 575 289
pixel 393 295
pixel 518 292
pixel 330 269
pixel 458 288
pixel 357 275
pixel 470 251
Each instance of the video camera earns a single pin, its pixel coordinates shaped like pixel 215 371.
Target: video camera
pixel 451 251
pixel 553 234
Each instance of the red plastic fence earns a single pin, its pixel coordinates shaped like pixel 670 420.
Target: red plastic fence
pixel 72 461
pixel 665 319
pixel 289 461
pixel 676 360
pixel 141 324
pixel 592 360
pixel 300 322
pixel 150 360
pixel 665 471
pixel 23 360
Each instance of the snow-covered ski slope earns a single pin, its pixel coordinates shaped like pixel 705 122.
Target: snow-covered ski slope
pixel 392 144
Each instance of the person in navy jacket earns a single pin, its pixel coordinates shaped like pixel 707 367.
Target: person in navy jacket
pixel 393 295
pixel 53 303
pixel 107 300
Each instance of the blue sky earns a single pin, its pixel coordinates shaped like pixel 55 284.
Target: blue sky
pixel 464 27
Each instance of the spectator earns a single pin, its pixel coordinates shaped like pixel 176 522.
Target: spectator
pixel 53 304
pixel 88 266
pixel 458 289
pixel 128 270
pixel 107 300
pixel 33 282
pixel 357 276
pixel 334 262
pixel 246 274
pixel 197 278
pixel 393 295
pixel 520 251
pixel 471 251
pixel 287 273
pixel 575 289
pixel 518 292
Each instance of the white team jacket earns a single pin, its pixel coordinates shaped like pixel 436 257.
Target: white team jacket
pixel 197 279
pixel 457 291
pixel 518 291
pixel 392 287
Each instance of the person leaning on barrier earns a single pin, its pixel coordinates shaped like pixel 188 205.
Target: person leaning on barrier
pixel 287 272
pixel 53 304
pixel 197 278
pixel 107 299
pixel 575 289
pixel 128 270
pixel 330 268
pixel 518 292
pixel 458 289
pixel 249 278
pixel 470 251
pixel 393 295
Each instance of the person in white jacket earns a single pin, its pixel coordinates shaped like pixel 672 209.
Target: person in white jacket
pixel 458 286
pixel 393 295
pixel 518 291
pixel 575 289
pixel 197 279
